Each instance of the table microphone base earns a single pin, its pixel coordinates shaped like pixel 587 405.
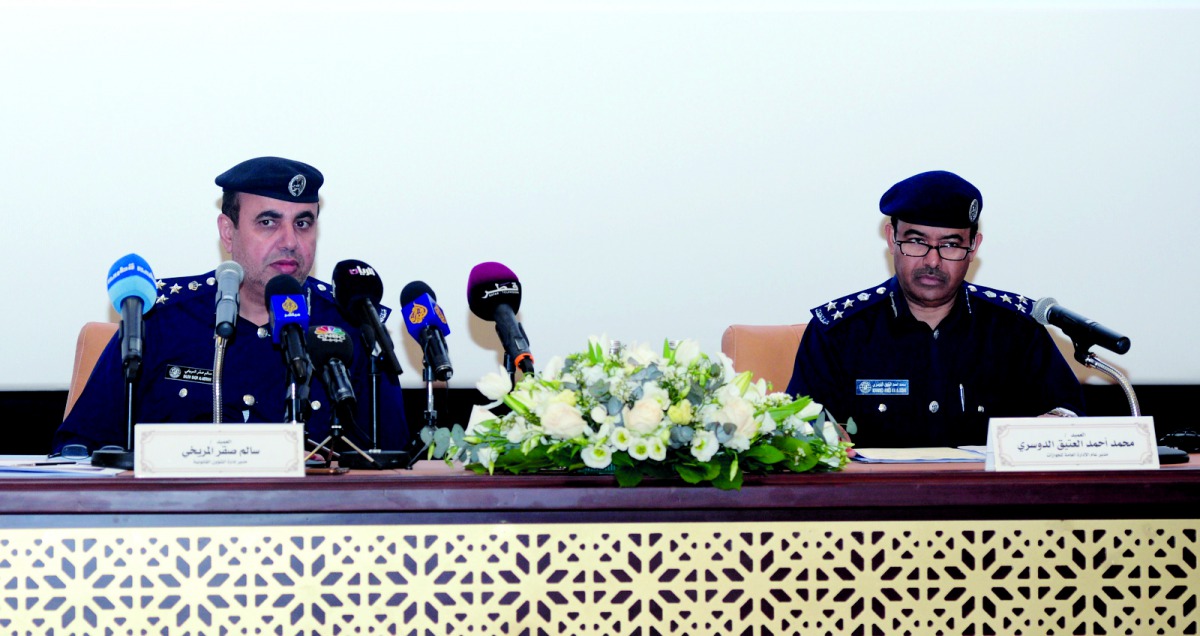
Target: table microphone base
pixel 122 459
pixel 384 460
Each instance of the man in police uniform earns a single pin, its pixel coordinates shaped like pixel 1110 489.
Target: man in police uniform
pixel 925 358
pixel 268 225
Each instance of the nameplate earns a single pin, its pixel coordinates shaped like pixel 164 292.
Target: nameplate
pixel 1071 443
pixel 218 450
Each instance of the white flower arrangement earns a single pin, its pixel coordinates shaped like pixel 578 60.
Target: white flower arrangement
pixel 643 414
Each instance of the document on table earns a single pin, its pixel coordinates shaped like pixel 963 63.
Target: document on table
pixel 916 455
pixel 40 466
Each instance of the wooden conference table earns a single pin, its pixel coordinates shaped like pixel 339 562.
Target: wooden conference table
pixel 893 549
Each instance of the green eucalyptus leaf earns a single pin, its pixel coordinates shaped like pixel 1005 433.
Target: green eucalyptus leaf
pixel 628 476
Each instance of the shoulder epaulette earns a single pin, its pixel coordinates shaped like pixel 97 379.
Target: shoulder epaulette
pixel 840 309
pixel 1008 300
pixel 175 290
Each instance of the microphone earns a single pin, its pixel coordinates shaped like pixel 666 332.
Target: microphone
pixel 1082 331
pixel 331 352
pixel 229 280
pixel 427 325
pixel 359 290
pixel 288 311
pixel 132 291
pixel 494 294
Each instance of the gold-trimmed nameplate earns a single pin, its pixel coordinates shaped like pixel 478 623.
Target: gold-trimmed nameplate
pixel 219 450
pixel 1071 443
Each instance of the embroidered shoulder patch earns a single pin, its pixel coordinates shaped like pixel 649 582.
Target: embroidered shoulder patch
pixel 839 309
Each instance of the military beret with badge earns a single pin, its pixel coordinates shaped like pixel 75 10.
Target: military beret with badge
pixel 275 178
pixel 937 199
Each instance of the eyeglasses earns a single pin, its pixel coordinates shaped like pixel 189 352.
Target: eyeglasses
pixel 79 452
pixel 918 248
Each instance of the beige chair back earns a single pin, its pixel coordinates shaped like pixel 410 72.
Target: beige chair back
pixel 92 340
pixel 767 350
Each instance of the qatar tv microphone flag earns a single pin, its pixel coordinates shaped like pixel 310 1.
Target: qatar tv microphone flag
pixel 494 294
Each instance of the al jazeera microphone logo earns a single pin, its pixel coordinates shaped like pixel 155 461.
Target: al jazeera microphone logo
pixel 418 313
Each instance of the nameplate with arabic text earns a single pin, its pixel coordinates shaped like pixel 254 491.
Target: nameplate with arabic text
pixel 219 450
pixel 1071 443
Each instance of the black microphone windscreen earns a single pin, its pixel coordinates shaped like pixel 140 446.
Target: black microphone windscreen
pixel 413 291
pixel 491 285
pixel 282 285
pixel 327 342
pixel 354 282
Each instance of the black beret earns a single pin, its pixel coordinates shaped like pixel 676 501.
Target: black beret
pixel 938 198
pixel 275 178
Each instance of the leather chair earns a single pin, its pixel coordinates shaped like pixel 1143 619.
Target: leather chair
pixel 92 339
pixel 767 350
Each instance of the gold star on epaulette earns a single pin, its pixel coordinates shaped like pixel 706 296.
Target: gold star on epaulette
pixel 158 284
pixel 175 288
pixel 161 300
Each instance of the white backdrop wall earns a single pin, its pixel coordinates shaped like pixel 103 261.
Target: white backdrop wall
pixel 649 170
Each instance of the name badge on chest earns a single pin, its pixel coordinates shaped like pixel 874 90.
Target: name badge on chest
pixel 189 374
pixel 881 387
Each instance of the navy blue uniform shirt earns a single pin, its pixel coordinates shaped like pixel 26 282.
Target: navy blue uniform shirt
pixel 867 357
pixel 175 383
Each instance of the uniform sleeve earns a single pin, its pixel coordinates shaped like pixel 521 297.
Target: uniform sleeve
pixel 1054 382
pixel 99 415
pixel 816 372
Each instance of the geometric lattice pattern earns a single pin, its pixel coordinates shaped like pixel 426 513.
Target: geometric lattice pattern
pixel 936 577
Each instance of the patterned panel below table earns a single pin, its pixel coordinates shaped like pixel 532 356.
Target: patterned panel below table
pixel 974 577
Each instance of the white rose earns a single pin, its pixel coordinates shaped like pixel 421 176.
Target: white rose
pixel 686 352
pixel 562 421
pixel 599 414
pixel 740 413
pixel 642 354
pixel 597 457
pixel 518 432
pixel 644 417
pixel 592 375
pixel 494 386
pixel 651 391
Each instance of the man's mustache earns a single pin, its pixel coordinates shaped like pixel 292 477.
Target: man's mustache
pixel 929 271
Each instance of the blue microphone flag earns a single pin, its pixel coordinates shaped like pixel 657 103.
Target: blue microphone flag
pixel 129 277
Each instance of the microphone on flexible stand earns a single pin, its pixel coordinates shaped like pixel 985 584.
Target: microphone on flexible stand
pixel 1084 333
pixel 494 294
pixel 132 290
pixel 229 281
